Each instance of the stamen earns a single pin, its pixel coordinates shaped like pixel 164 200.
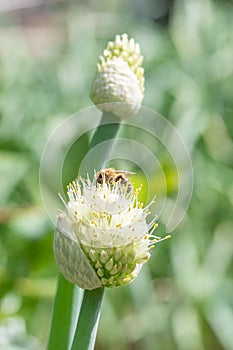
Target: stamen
pixel 63 201
pixel 158 240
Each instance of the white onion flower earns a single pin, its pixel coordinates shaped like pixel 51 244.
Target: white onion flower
pixel 104 238
pixel 119 78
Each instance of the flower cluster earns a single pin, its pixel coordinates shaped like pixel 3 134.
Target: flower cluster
pixel 119 78
pixel 104 238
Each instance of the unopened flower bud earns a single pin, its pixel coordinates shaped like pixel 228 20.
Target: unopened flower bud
pixel 118 85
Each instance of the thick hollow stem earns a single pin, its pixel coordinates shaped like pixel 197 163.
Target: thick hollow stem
pixel 107 130
pixel 65 313
pixel 86 329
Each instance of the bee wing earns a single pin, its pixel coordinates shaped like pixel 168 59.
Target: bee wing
pixel 124 172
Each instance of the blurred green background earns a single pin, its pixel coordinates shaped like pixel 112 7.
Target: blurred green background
pixel 183 298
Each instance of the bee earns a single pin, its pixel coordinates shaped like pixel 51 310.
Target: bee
pixel 111 176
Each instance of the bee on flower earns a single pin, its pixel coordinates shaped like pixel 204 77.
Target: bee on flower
pixel 104 238
pixel 111 176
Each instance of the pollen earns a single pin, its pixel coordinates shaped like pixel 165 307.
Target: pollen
pixel 168 236
pixel 140 205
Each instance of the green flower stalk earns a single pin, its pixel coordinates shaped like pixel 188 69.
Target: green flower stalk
pixel 104 238
pixel 119 78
